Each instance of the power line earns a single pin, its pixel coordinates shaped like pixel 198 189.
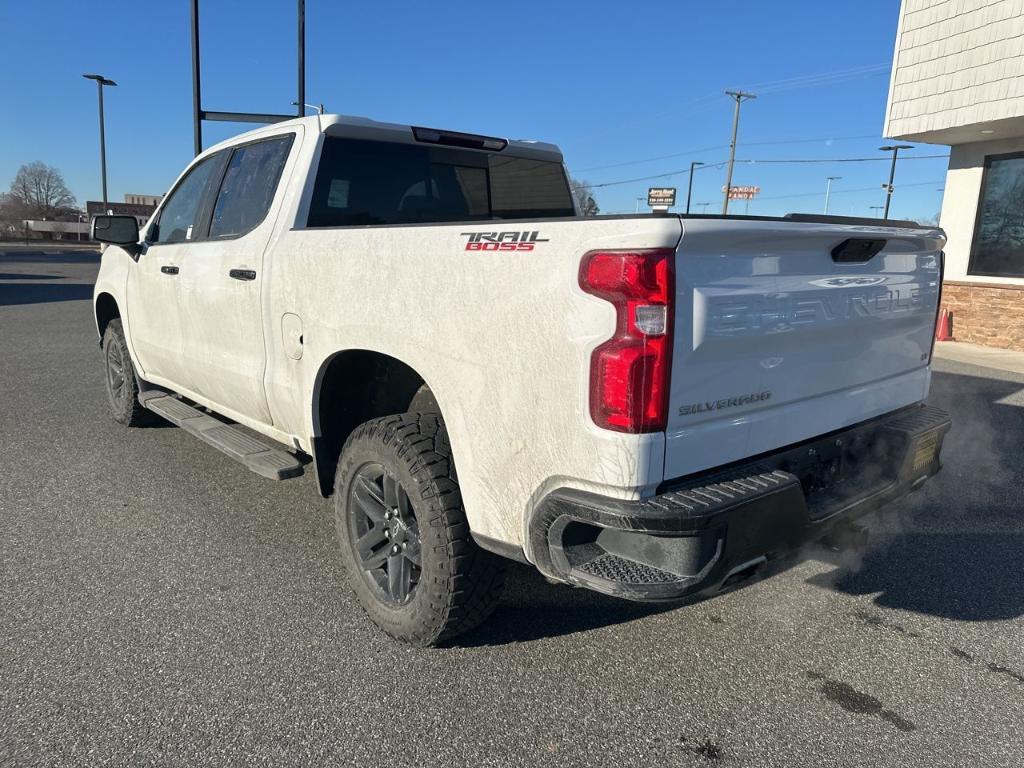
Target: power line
pixel 656 176
pixel 767 143
pixel 808 141
pixel 653 159
pixel 822 78
pixel 845 159
pixel 755 162
pixel 770 86
pixel 845 191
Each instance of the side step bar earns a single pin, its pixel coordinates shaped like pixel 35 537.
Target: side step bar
pixel 274 463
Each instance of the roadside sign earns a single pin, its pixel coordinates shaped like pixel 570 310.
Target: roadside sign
pixel 743 193
pixel 661 198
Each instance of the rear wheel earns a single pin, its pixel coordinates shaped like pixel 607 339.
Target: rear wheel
pixel 122 384
pixel 404 537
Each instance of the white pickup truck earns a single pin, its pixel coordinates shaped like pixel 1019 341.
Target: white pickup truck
pixel 653 407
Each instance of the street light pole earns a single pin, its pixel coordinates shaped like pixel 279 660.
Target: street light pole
pixel 895 149
pixel 739 97
pixel 828 189
pixel 100 82
pixel 638 201
pixel 689 188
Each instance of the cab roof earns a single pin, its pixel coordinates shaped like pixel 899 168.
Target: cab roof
pixel 355 127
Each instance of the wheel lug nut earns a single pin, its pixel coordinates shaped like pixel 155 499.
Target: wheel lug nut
pixel 403 545
pixel 387 533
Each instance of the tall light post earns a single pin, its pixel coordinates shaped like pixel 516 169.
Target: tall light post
pixel 895 149
pixel 739 97
pixel 100 82
pixel 828 188
pixel 876 208
pixel 689 188
pixel 638 201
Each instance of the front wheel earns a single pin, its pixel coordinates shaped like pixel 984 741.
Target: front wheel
pixel 404 537
pixel 122 384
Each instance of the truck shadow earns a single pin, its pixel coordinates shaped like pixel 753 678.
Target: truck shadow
pixel 964 576
pixel 39 257
pixel 28 276
pixel 955 549
pixel 532 608
pixel 43 293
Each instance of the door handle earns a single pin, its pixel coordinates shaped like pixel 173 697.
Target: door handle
pixel 242 274
pixel 169 270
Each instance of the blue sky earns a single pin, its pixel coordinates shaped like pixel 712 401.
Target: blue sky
pixel 612 83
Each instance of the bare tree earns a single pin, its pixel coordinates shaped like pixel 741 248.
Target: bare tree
pixel 11 209
pixel 41 191
pixel 583 194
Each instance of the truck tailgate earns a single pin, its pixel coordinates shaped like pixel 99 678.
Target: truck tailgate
pixel 777 342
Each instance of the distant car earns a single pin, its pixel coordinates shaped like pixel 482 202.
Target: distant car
pixel 653 407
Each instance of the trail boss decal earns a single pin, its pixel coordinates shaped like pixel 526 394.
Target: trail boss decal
pixel 503 241
pixel 728 402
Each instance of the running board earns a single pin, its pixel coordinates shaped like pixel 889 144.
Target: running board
pixel 274 463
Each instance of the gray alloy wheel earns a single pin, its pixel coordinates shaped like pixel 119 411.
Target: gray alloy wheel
pixel 384 534
pixel 122 384
pixel 117 385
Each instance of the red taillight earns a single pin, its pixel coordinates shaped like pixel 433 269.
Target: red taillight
pixel 629 373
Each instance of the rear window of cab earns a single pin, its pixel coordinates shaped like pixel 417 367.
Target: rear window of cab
pixel 365 183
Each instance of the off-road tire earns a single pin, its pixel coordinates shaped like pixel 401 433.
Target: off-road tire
pixel 459 583
pixel 124 400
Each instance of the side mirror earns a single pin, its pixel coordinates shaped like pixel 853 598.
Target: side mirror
pixel 117 230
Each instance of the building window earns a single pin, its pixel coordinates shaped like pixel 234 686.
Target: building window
pixel 998 247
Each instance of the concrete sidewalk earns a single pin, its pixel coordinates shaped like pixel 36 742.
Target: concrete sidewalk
pixel 975 354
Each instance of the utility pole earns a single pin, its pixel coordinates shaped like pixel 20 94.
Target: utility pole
pixel 100 82
pixel 739 97
pixel 689 188
pixel 828 188
pixel 895 149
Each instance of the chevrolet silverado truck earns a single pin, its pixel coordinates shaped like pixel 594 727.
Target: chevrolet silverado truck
pixel 655 407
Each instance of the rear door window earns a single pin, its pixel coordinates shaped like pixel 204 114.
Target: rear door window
pixel 362 183
pixel 248 188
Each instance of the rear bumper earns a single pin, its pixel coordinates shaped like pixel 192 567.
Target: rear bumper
pixel 706 532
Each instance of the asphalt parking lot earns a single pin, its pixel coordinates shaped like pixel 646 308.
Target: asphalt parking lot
pixel 161 605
